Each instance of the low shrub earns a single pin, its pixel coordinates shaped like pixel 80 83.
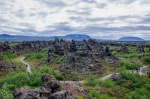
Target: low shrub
pixel 146 59
pixel 130 66
pixel 141 93
pixel 58 75
pixel 17 79
pixel 91 81
pixel 107 83
pixel 8 56
pixel 32 56
pixel 46 69
pixel 94 94
pixel 5 92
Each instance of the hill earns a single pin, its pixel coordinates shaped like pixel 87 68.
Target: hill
pixel 77 36
pixel 130 38
pixel 7 37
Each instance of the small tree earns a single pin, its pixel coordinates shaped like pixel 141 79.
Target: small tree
pixel 5 92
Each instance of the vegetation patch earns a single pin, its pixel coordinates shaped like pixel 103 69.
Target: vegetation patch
pixel 91 81
pixel 146 59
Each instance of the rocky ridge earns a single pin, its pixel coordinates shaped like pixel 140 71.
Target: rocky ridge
pixel 51 89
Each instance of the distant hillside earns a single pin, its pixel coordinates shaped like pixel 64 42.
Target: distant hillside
pixel 7 37
pixel 77 36
pixel 131 39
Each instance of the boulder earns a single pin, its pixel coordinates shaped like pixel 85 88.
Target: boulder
pixel 140 49
pixel 116 77
pixel 49 89
pixel 73 46
pixel 25 93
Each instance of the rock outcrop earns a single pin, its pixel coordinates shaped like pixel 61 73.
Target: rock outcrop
pixel 5 47
pixel 115 77
pixel 50 89
pixel 6 67
pixel 140 49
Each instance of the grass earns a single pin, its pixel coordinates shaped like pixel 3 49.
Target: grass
pixel 130 66
pixel 107 83
pixel 13 44
pixel 33 56
pixel 8 56
pixel 91 81
pixel 19 79
pixel 146 59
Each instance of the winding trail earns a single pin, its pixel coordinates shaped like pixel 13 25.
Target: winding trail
pixel 26 64
pixel 108 76
pixel 141 70
pixel 72 82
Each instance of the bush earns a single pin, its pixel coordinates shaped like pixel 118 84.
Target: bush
pixel 18 80
pixel 141 93
pixel 121 69
pixel 136 81
pixel 5 92
pixel 58 75
pixel 91 81
pixel 107 83
pixel 35 79
pixel 146 59
pixel 46 69
pixel 8 56
pixel 130 66
pixel 95 95
pixel 32 56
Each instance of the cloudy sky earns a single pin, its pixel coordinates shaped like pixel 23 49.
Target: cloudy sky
pixel 105 19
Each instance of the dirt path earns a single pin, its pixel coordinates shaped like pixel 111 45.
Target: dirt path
pixel 26 64
pixel 107 76
pixel 72 82
pixel 141 70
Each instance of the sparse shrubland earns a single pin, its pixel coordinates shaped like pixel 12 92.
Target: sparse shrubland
pixel 130 66
pixel 20 79
pixel 5 93
pixel 33 56
pixel 8 56
pixel 107 83
pixel 130 86
pixel 91 81
pixel 146 59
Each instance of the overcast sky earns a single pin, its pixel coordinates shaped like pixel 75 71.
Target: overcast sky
pixel 105 19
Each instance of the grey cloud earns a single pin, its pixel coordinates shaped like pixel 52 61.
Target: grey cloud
pixel 53 3
pixel 3 20
pixel 81 15
pixel 122 1
pixel 111 18
pixel 19 13
pixel 89 1
pixel 82 12
pixel 76 18
pixel 101 5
